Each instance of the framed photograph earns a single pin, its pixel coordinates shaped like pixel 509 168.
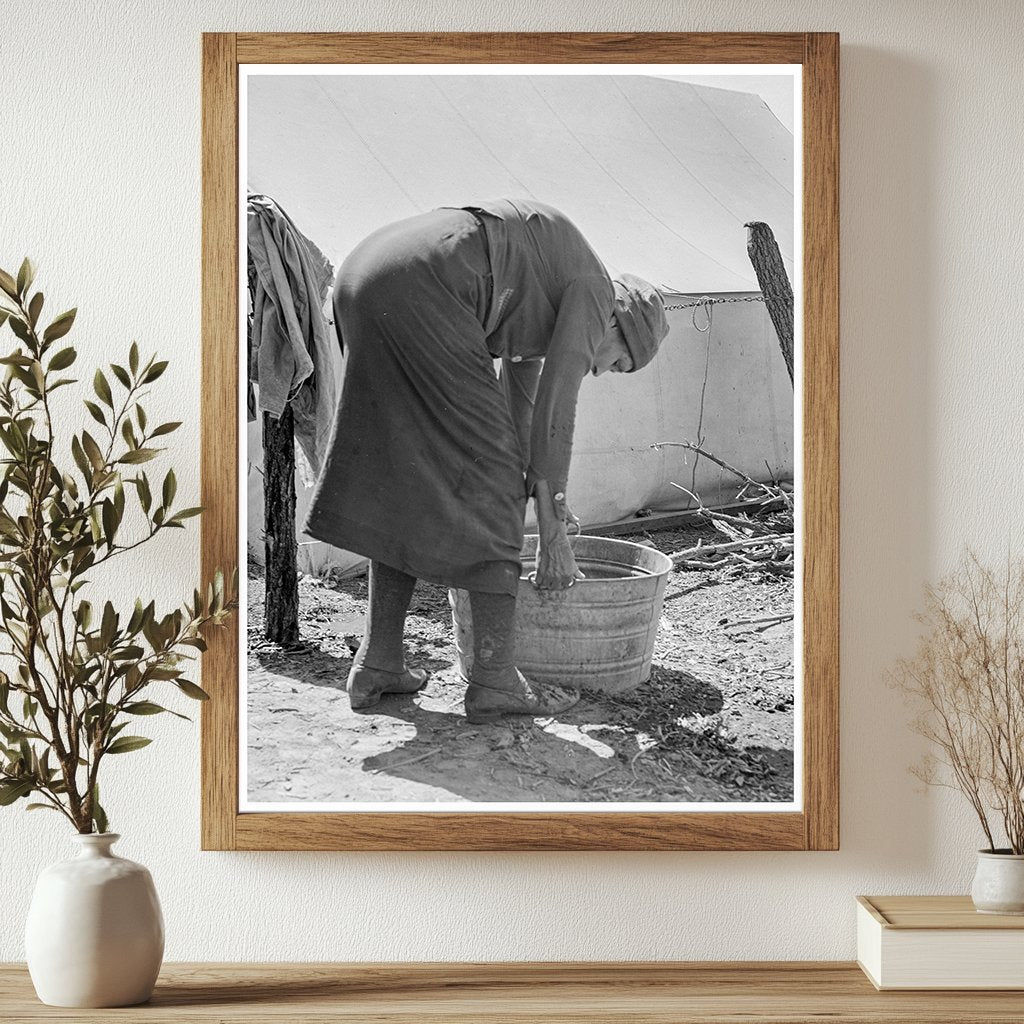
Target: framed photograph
pixel 520 409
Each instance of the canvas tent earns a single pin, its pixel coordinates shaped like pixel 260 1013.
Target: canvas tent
pixel 659 175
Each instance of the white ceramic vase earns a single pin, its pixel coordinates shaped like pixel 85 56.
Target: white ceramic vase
pixel 999 883
pixel 95 933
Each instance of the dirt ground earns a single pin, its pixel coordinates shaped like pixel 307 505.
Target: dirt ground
pixel 713 724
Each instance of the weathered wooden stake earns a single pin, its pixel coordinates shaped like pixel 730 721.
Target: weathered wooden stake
pixel 282 579
pixel 764 254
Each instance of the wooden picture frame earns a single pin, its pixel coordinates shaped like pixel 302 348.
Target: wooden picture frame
pixel 816 826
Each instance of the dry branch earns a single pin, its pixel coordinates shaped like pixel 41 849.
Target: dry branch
pixel 968 680
pixel 753 544
pixel 741 522
pixel 770 620
pixel 736 545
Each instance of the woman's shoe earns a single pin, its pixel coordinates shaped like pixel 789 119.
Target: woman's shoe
pixel 485 704
pixel 367 685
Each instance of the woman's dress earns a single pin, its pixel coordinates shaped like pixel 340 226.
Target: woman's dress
pixel 433 453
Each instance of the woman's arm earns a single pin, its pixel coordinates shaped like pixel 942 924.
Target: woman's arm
pixel 556 564
pixel 583 314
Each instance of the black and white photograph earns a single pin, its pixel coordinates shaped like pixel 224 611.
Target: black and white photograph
pixel 521 372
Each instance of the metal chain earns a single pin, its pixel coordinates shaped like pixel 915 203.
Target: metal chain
pixel 706 300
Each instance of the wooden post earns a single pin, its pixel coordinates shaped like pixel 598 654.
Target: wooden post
pixel 282 579
pixel 764 254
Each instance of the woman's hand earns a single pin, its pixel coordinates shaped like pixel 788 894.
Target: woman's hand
pixel 571 520
pixel 556 564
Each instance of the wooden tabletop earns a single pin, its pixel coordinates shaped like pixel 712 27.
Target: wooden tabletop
pixel 612 993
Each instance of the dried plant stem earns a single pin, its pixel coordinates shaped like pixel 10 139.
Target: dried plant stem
pixel 968 678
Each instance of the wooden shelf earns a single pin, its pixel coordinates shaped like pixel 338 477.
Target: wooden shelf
pixel 612 993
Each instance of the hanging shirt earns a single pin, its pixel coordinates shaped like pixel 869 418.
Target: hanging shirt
pixel 292 354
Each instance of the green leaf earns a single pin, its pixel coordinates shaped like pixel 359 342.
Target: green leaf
pixel 11 733
pixel 60 326
pixel 170 488
pixel 83 613
pixel 163 673
pixel 92 449
pixel 130 653
pixel 133 358
pixel 187 513
pixel 121 374
pixel 128 433
pixel 11 791
pixel 154 371
pixel 139 455
pixel 191 690
pixel 41 807
pixel 108 625
pixel 20 329
pixel 99 816
pixel 140 415
pixel 8 284
pixel 145 497
pixel 165 428
pixel 119 499
pixel 109 521
pixel 34 308
pixel 99 382
pixel 80 459
pixel 116 730
pixel 63 359
pixel 26 275
pixel 95 412
pixel 143 707
pixel 95 527
pixel 124 744
pixel 137 616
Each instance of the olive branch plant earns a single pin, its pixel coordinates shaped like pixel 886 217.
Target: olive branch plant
pixel 81 671
pixel 967 680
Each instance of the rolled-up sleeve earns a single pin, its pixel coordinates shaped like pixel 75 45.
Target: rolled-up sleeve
pixel 584 311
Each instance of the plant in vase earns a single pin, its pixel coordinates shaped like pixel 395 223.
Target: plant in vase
pixel 81 670
pixel 968 679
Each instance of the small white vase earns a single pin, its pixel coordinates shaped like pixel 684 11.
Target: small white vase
pixel 999 883
pixel 95 933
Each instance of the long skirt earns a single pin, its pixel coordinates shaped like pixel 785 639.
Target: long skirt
pixel 424 470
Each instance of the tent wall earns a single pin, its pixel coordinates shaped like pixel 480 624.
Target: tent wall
pixel 747 421
pixel 660 176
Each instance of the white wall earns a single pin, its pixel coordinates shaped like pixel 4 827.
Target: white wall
pixel 100 129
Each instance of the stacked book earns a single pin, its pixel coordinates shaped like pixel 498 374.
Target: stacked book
pixel 932 942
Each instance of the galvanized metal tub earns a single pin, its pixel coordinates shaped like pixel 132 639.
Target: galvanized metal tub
pixel 597 635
